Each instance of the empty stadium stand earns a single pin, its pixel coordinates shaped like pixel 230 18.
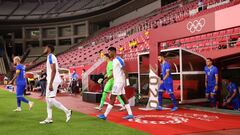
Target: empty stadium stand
pixel 217 40
pixel 87 52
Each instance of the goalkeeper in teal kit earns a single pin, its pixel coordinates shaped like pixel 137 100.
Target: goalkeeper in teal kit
pixel 109 84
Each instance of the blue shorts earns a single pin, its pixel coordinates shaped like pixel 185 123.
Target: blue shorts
pixel 210 89
pixel 166 87
pixel 20 90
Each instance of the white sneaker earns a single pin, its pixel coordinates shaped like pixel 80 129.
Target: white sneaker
pixel 31 104
pixel 68 115
pixel 122 108
pixel 47 121
pixel 17 110
pixel 98 108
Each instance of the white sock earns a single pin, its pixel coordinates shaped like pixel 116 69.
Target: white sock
pixel 109 108
pixel 49 109
pixel 59 105
pixel 127 106
pixel 19 108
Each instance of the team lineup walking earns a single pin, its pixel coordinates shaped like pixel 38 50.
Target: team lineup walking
pixel 109 84
pixel 119 67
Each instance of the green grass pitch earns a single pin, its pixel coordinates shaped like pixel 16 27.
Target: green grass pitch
pixel 27 122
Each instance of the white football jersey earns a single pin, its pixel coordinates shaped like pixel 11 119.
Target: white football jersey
pixel 51 59
pixel 118 73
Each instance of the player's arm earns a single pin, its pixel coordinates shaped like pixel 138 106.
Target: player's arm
pixel 225 100
pixel 125 71
pixel 105 75
pixel 53 74
pixel 216 78
pixel 126 75
pixel 44 76
pixel 232 96
pixel 206 78
pixel 15 76
pixel 167 75
pixel 106 78
pixel 168 68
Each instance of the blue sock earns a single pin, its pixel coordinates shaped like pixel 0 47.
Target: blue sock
pixel 173 99
pixel 24 100
pixel 160 98
pixel 18 102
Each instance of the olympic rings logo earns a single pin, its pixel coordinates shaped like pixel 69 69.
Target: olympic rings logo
pixel 196 25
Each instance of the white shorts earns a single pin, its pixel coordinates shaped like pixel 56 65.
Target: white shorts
pixel 51 94
pixel 118 89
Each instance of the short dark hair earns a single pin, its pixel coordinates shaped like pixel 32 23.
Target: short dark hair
pixel 51 47
pixel 162 54
pixel 112 49
pixel 210 59
pixel 107 55
pixel 230 79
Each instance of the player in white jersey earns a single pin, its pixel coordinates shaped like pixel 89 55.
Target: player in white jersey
pixel 119 76
pixel 53 81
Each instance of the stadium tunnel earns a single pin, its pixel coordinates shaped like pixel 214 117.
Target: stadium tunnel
pixel 227 61
pixel 187 73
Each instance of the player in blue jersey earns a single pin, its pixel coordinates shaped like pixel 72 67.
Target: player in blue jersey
pixel 21 84
pixel 211 81
pixel 233 96
pixel 166 84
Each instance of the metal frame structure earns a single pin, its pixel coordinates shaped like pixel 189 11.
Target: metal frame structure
pixel 179 72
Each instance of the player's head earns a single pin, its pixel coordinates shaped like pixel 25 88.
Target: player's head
pixel 161 57
pixel 209 61
pixel 83 70
pixel 226 80
pixel 16 60
pixel 112 52
pixel 106 57
pixel 48 49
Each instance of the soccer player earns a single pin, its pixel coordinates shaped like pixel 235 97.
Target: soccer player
pixel 119 76
pixel 211 81
pixel 233 94
pixel 53 81
pixel 109 84
pixel 166 84
pixel 21 84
